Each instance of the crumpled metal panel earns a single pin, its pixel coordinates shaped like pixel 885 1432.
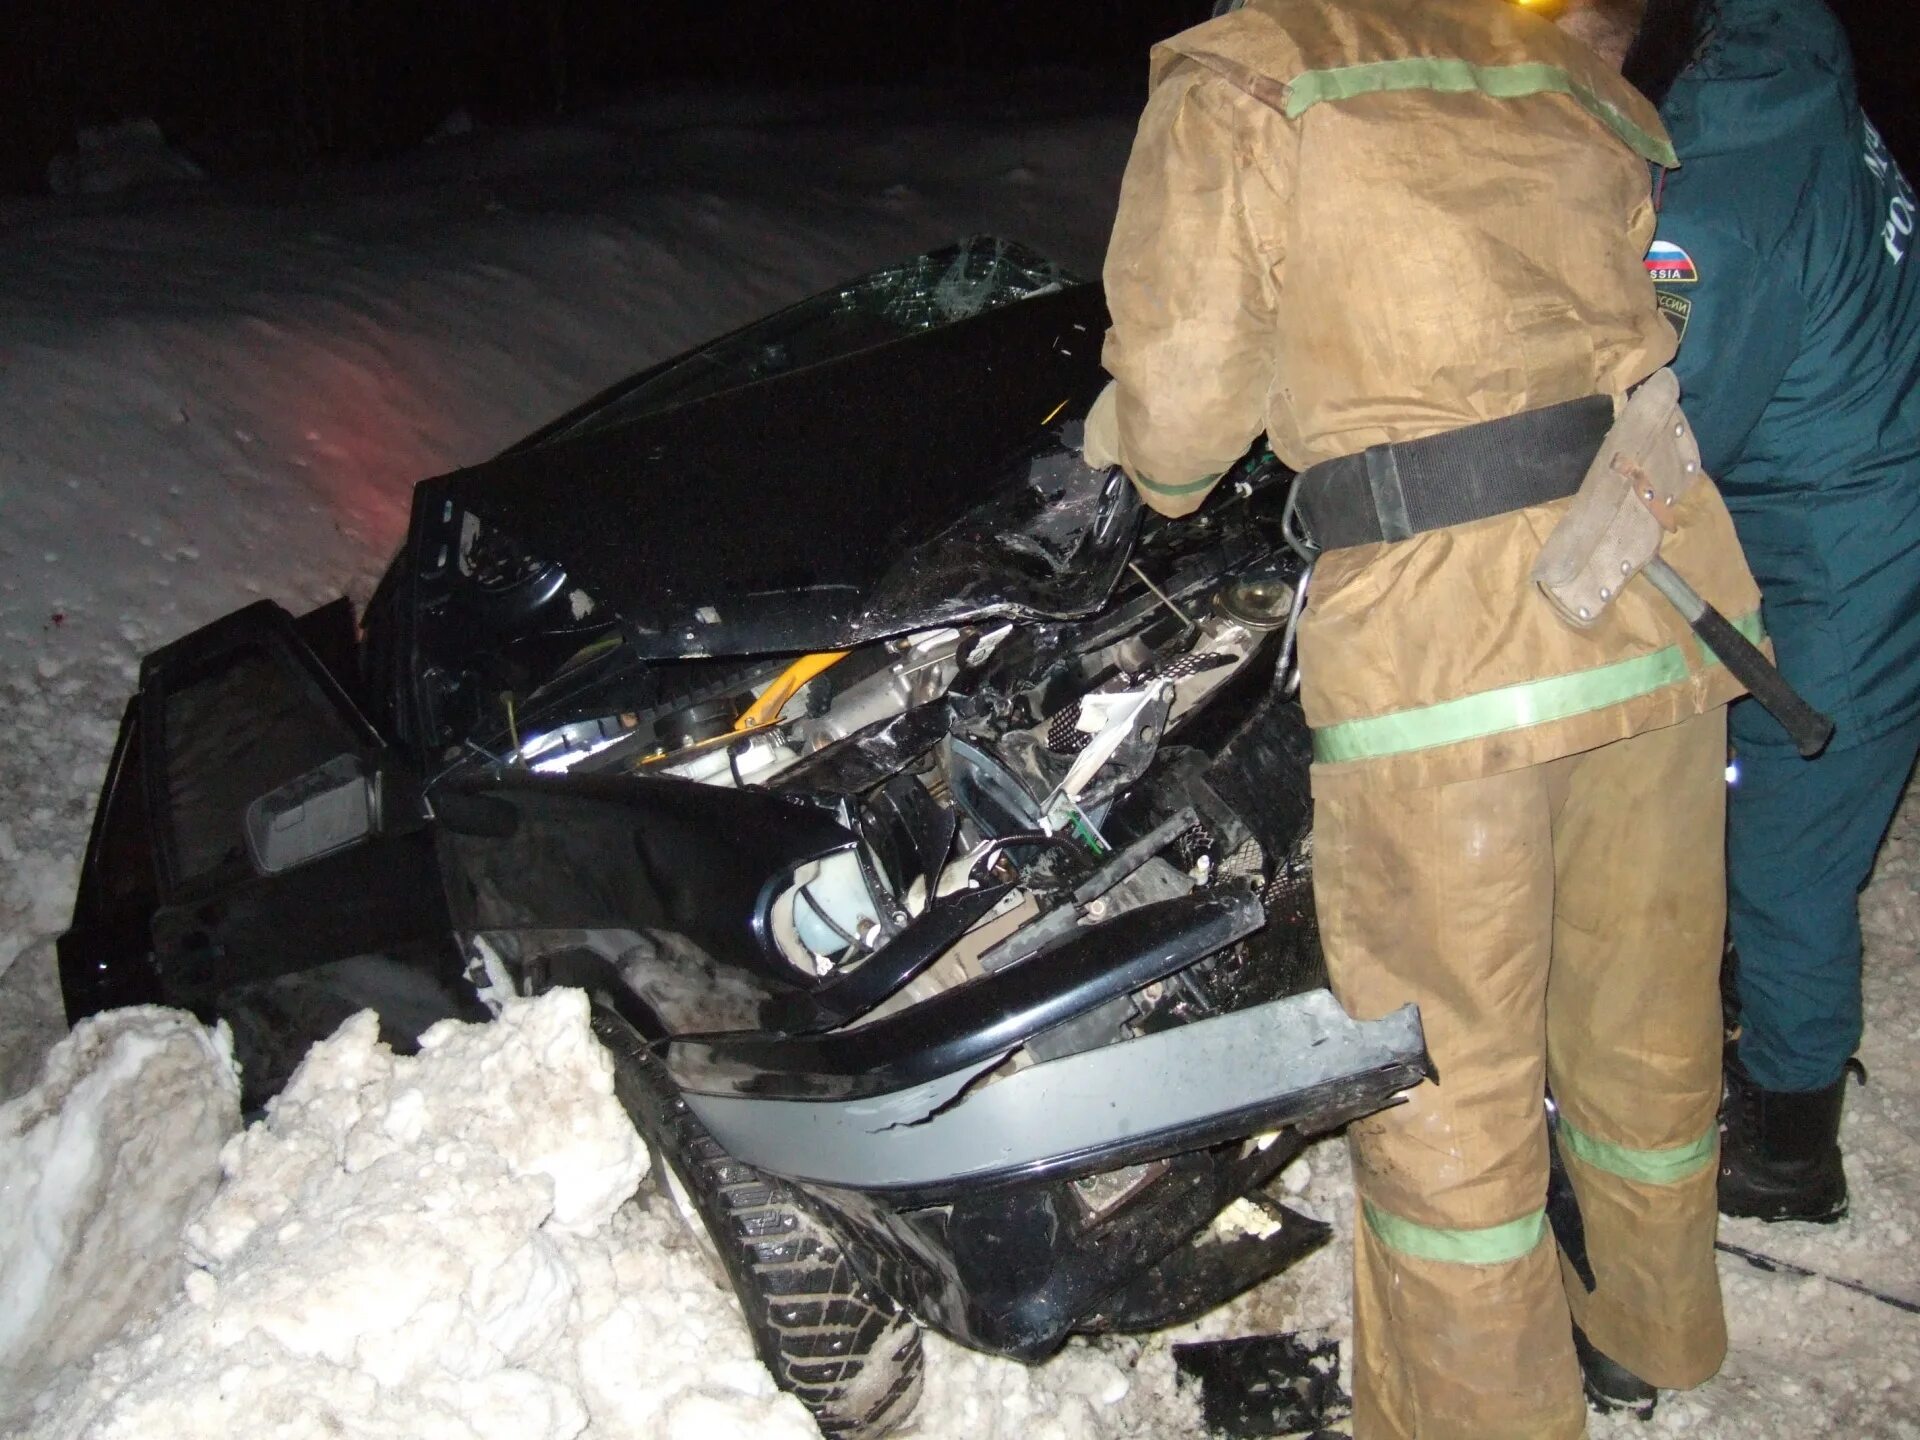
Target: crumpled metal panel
pixel 1272 1064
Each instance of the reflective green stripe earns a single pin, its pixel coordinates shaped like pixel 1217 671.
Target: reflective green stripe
pixel 1532 702
pixel 1493 1245
pixel 1501 82
pixel 1651 1167
pixel 1187 489
pixel 1512 707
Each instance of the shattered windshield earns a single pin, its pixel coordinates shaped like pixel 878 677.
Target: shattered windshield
pixel 928 291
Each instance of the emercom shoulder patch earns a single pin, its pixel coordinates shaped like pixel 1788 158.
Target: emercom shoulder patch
pixel 1678 309
pixel 1668 264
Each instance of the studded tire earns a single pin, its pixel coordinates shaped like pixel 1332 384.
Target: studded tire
pixel 852 1360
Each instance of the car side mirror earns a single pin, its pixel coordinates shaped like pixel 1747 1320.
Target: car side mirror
pixel 314 814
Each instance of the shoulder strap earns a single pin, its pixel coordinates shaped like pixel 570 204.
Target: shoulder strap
pixel 1295 54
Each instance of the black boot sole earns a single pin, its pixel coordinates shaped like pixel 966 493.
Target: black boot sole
pixel 1609 1385
pixel 1641 1410
pixel 1776 1212
pixel 1812 1195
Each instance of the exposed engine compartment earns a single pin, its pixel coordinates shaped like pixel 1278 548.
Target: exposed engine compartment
pixel 1026 738
pixel 1045 740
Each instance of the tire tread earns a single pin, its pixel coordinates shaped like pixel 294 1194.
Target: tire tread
pixel 855 1362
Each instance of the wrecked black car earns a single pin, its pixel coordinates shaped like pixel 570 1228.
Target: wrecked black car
pixel 927 824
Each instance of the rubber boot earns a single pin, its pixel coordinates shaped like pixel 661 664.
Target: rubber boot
pixel 1610 1386
pixel 1780 1150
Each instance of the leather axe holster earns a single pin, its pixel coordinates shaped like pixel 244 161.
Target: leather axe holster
pixel 1624 506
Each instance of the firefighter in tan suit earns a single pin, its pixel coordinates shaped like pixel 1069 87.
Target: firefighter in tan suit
pixel 1369 228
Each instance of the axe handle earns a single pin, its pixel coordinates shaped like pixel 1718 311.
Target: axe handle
pixel 1808 728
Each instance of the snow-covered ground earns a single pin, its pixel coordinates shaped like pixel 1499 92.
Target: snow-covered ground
pixel 212 395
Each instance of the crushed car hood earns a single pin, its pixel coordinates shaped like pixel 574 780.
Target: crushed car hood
pixel 919 482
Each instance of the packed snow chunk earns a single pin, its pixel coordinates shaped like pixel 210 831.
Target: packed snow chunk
pixel 1077 1395
pixel 102 1164
pixel 438 1245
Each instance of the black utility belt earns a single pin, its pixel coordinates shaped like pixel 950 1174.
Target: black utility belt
pixel 1394 492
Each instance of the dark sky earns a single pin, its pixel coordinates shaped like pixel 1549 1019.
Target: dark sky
pixel 239 83
pixel 242 81
pixel 1886 49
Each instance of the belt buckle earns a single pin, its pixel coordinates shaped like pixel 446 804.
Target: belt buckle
pixel 1293 525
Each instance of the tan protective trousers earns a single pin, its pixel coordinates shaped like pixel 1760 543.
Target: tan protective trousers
pixel 1558 925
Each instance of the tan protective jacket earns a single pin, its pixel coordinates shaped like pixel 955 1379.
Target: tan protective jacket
pixel 1346 222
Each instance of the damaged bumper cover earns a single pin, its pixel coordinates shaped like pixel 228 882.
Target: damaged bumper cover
pixel 1292 1060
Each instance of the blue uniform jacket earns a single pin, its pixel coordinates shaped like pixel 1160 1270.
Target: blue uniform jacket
pixel 1785 258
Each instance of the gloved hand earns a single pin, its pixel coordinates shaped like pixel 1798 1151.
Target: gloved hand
pixel 1100 445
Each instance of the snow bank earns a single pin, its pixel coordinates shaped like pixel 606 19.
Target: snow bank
pixel 101 1164
pixel 32 1017
pixel 128 156
pixel 436 1246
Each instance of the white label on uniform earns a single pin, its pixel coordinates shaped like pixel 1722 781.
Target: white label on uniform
pixel 1897 233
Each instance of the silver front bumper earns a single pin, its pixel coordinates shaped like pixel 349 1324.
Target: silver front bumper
pixel 1290 1061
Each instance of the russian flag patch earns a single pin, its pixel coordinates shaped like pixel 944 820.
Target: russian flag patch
pixel 1668 264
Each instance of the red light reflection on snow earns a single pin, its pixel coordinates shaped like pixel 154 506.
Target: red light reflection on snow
pixel 366 422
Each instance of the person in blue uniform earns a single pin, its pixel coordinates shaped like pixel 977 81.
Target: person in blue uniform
pixel 1785 259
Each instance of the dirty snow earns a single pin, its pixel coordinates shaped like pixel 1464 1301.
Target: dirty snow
pixel 210 395
pixel 101 1164
pixel 396 1252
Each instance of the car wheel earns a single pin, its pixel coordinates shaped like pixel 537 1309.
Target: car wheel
pixel 850 1358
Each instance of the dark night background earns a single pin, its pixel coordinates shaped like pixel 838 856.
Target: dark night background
pixel 247 82
pixel 242 84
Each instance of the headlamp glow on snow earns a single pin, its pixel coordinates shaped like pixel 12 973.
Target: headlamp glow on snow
pixel 1545 9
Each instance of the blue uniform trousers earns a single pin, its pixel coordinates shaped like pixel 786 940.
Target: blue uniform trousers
pixel 1801 839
